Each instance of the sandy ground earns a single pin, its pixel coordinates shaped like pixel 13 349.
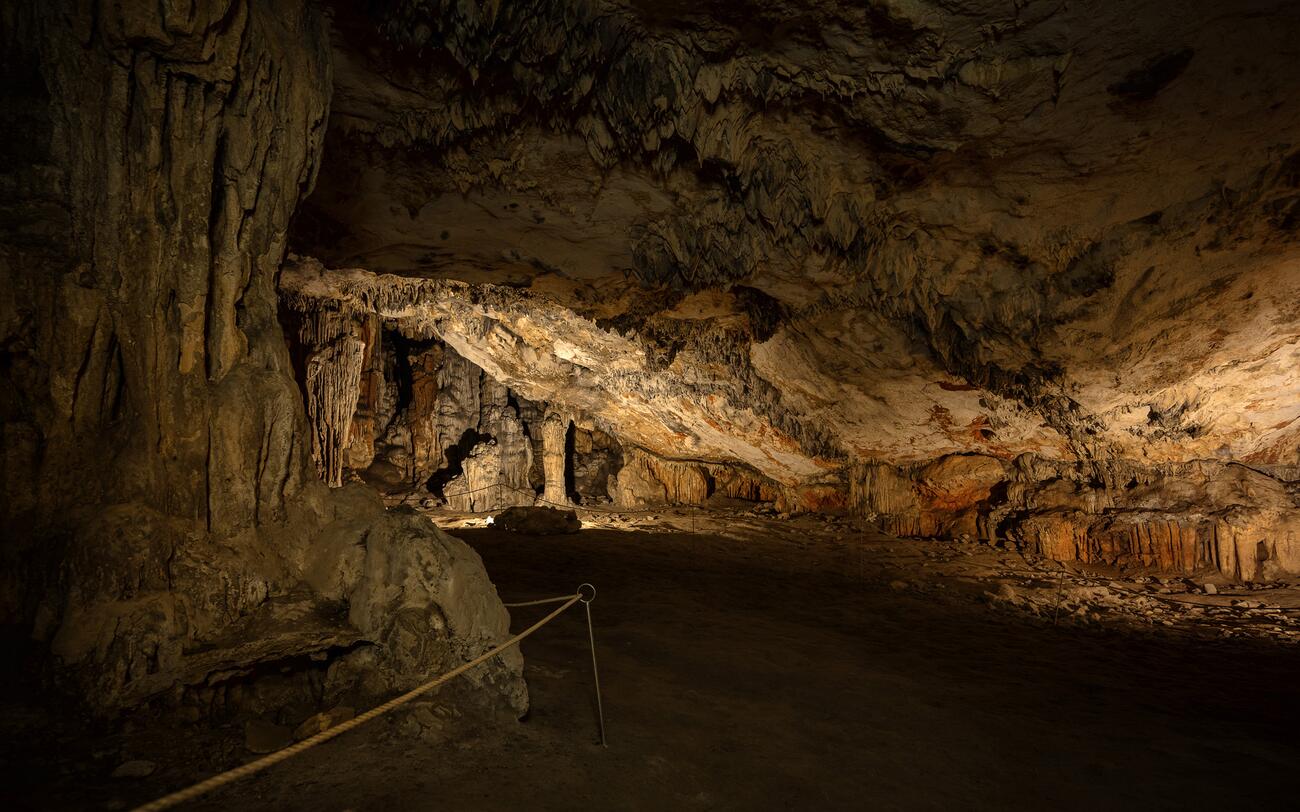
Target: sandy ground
pixel 763 664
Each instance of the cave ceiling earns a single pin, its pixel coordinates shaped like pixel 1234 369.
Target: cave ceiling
pixel 820 233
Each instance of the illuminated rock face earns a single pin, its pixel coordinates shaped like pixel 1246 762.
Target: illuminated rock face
pixel 967 267
pixel 905 230
pixel 1176 518
pixel 906 237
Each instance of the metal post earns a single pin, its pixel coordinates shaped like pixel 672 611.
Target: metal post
pixel 588 597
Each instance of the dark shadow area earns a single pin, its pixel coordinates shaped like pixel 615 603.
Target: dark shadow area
pixel 455 457
pixel 770 674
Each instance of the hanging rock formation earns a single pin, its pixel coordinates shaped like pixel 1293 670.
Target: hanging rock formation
pixel 333 385
pixel 1189 518
pixel 895 234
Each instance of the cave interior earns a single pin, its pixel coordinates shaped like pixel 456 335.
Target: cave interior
pixel 909 377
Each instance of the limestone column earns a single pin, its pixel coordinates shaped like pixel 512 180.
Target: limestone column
pixel 554 430
pixel 333 386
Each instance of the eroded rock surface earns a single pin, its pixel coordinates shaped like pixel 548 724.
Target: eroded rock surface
pixel 161 511
pixel 816 241
pixel 538 521
pixel 1023 272
pixel 922 229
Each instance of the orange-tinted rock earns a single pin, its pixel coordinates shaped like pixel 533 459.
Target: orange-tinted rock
pixel 947 497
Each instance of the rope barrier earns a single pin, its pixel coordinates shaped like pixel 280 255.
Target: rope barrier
pixel 536 603
pixel 252 767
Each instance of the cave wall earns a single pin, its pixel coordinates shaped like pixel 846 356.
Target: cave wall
pixel 145 355
pixel 474 443
pixel 495 446
pixel 1192 518
pixel 145 363
pixel 811 240
pixel 963 219
pixel 965 268
pixel 160 517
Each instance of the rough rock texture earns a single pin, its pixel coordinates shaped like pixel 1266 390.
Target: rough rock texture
pixel 596 457
pixel 426 601
pixel 538 521
pixel 1183 518
pixel 554 458
pixel 1003 206
pixel 333 386
pixel 159 511
pixel 548 354
pixel 1024 271
pixel 813 239
pixel 494 474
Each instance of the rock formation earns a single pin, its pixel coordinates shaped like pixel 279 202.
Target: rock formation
pixel 165 535
pixel 333 386
pixel 554 459
pixel 538 521
pixel 886 239
pixel 1024 272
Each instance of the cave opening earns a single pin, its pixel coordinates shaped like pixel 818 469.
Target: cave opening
pixel 916 390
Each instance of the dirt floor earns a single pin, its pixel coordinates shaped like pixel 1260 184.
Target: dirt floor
pixel 800 664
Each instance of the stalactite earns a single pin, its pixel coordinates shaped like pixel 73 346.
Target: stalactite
pixel 333 385
pixel 427 450
pixel 360 449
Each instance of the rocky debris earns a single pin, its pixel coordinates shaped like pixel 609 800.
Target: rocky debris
pixel 320 722
pixel 263 737
pixel 538 521
pixel 136 768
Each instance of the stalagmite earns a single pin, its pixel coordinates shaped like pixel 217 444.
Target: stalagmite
pixel 554 459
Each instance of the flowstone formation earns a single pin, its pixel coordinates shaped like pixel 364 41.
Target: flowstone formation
pixel 531 402
pixel 835 248
pixel 165 538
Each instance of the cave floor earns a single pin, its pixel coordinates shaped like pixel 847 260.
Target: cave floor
pixel 757 664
